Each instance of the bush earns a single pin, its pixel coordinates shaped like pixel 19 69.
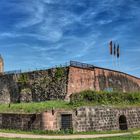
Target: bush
pixel 23 79
pixel 59 73
pixel 105 97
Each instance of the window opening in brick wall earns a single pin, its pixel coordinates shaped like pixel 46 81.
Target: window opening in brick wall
pixel 66 121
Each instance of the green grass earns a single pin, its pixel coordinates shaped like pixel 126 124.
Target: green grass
pixel 129 137
pixel 33 107
pixel 68 132
pixel 85 98
pixel 38 107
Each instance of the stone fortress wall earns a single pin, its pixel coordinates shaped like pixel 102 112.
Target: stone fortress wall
pixel 34 86
pixel 61 82
pixel 100 79
pixel 102 118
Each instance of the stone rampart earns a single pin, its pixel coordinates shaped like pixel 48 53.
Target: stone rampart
pixel 35 86
pixel 80 79
pixel 60 83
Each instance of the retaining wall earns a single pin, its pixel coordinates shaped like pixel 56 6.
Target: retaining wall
pixel 102 118
pixel 93 118
pixel 83 119
pixel 20 121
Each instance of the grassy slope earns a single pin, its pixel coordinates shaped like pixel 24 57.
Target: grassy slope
pixel 34 107
pixel 85 98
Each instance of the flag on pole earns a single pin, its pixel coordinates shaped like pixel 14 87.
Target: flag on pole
pixel 118 51
pixel 110 45
pixel 114 49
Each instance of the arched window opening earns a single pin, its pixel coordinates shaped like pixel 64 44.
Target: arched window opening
pixel 123 123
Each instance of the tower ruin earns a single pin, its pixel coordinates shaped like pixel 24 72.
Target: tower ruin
pixel 1 65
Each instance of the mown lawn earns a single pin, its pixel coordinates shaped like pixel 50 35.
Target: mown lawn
pixel 68 132
pixel 42 132
pixel 60 133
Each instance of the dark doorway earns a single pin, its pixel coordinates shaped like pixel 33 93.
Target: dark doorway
pixel 123 123
pixel 66 121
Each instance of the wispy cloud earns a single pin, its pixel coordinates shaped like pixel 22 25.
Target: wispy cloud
pixel 56 31
pixel 35 11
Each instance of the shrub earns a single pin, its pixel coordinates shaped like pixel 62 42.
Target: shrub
pixel 23 79
pixel 59 73
pixel 105 97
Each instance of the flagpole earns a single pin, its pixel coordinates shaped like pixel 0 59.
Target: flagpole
pixel 111 53
pixel 118 55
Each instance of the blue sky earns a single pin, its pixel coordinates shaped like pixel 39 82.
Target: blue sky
pixel 44 33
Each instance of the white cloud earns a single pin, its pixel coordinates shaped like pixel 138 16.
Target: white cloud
pixel 77 30
pixel 35 11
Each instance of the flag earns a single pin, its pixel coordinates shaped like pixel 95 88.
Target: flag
pixel 118 51
pixel 110 45
pixel 114 49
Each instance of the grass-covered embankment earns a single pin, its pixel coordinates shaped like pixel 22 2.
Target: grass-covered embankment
pixel 33 107
pixel 85 98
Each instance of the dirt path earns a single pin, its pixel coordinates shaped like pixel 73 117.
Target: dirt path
pixel 14 135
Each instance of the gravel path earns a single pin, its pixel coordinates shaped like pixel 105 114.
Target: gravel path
pixel 14 135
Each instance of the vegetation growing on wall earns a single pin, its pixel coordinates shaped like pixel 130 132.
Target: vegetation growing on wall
pixel 105 97
pixel 59 73
pixel 50 86
pixel 23 79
